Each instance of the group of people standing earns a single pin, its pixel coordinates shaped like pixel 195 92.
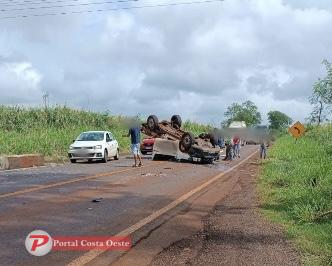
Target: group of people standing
pixel 232 149
pixel 232 146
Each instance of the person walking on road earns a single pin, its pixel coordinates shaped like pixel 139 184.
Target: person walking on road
pixel 135 137
pixel 263 150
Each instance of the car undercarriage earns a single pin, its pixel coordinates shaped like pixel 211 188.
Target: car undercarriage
pixel 200 149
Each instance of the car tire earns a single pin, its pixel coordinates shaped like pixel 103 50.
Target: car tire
pixel 105 159
pixel 117 156
pixel 152 122
pixel 186 142
pixel 176 120
pixel 73 160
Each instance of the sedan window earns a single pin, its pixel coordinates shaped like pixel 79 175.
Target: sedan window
pixel 91 136
pixel 108 138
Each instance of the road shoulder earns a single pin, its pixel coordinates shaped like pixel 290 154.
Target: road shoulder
pixel 222 226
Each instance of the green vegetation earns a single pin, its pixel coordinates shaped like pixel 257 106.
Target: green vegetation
pixel 51 131
pixel 321 97
pixel 246 111
pixel 296 189
pixel 195 128
pixel 278 120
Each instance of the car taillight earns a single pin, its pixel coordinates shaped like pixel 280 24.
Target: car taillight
pixel 148 142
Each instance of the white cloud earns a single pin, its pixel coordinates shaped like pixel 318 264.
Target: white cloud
pixel 19 83
pixel 192 60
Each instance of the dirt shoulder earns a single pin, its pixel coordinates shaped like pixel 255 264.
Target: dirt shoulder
pixel 234 233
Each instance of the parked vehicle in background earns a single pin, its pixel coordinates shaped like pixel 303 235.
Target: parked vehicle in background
pixel 251 142
pixel 238 124
pixel 256 134
pixel 94 145
pixel 147 145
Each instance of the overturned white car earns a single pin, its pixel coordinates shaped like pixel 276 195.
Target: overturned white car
pixel 172 141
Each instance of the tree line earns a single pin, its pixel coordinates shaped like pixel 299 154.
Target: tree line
pixel 248 112
pixel 321 100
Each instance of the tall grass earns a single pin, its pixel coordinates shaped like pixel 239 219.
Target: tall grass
pixel 296 185
pixel 51 131
pixel 195 128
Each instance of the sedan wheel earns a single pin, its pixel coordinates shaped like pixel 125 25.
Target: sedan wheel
pixel 105 156
pixel 117 156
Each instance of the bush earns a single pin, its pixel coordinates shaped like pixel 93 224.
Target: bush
pixel 296 183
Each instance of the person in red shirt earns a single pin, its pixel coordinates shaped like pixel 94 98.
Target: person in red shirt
pixel 236 146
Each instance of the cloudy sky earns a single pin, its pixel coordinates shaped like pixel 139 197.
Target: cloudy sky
pixel 192 60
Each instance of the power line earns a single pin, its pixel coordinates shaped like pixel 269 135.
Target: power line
pixel 70 5
pixel 8 1
pixel 14 2
pixel 110 9
pixel 40 2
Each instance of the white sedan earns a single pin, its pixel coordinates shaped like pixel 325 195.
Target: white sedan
pixel 94 145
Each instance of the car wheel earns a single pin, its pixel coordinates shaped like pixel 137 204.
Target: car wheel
pixel 152 122
pixel 187 140
pixel 176 120
pixel 117 156
pixel 73 160
pixel 105 156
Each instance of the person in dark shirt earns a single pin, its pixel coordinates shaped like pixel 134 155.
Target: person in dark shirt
pixel 263 149
pixel 221 142
pixel 135 137
pixel 229 151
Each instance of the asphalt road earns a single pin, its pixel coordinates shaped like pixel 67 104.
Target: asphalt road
pixel 58 200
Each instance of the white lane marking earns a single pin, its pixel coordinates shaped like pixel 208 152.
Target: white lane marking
pixel 92 254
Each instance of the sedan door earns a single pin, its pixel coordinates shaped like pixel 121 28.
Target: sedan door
pixel 111 144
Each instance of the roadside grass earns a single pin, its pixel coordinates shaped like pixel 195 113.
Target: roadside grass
pixel 51 131
pixel 296 191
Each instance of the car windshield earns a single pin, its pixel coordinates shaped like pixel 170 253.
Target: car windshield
pixel 91 136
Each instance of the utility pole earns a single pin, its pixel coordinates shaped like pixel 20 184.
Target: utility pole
pixel 46 100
